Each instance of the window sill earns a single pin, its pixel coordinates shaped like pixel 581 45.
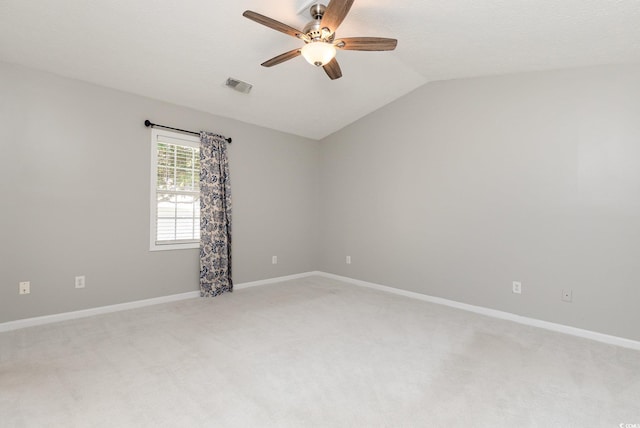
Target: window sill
pixel 166 247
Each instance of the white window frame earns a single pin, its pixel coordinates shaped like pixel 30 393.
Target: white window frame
pixel 175 138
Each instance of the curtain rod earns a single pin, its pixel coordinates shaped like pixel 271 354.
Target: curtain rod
pixel 148 124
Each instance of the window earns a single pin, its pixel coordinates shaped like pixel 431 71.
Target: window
pixel 175 191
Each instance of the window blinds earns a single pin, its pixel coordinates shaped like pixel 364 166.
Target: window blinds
pixel 177 191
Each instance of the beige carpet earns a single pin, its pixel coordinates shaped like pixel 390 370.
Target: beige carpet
pixel 310 353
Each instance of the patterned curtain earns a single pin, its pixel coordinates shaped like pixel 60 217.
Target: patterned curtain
pixel 215 216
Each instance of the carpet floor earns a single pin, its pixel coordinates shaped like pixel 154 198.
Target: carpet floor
pixel 312 352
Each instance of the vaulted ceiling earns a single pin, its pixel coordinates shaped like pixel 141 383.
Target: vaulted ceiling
pixel 183 51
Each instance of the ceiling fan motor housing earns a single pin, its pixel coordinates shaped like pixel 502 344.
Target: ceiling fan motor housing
pixel 314 29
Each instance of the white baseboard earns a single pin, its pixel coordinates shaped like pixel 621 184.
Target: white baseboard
pixel 587 334
pixel 573 331
pixel 274 280
pixel 48 319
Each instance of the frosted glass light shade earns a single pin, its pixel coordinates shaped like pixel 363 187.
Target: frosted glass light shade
pixel 318 53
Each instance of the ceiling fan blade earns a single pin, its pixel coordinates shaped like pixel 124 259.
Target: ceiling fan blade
pixel 335 14
pixel 272 23
pixel 366 44
pixel 333 69
pixel 281 58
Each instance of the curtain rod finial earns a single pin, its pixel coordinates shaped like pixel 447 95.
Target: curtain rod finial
pixel 147 123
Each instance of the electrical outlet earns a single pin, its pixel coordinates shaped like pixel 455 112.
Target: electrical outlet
pixel 567 295
pixel 274 260
pixel 348 260
pixel 25 287
pixel 80 281
pixel 517 287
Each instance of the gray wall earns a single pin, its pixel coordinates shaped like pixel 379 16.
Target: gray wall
pixel 74 187
pixel 463 186
pixel 454 191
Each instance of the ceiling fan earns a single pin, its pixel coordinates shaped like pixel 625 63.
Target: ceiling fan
pixel 319 37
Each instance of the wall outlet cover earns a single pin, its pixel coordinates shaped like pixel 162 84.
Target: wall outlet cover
pixel 80 281
pixel 517 287
pixel 25 287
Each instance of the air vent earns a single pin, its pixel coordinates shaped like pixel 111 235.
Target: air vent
pixel 239 85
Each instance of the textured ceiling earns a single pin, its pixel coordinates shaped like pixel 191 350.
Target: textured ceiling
pixel 183 51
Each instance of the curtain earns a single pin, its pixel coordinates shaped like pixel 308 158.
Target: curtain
pixel 215 216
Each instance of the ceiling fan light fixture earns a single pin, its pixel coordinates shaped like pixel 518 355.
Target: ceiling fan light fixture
pixel 318 53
